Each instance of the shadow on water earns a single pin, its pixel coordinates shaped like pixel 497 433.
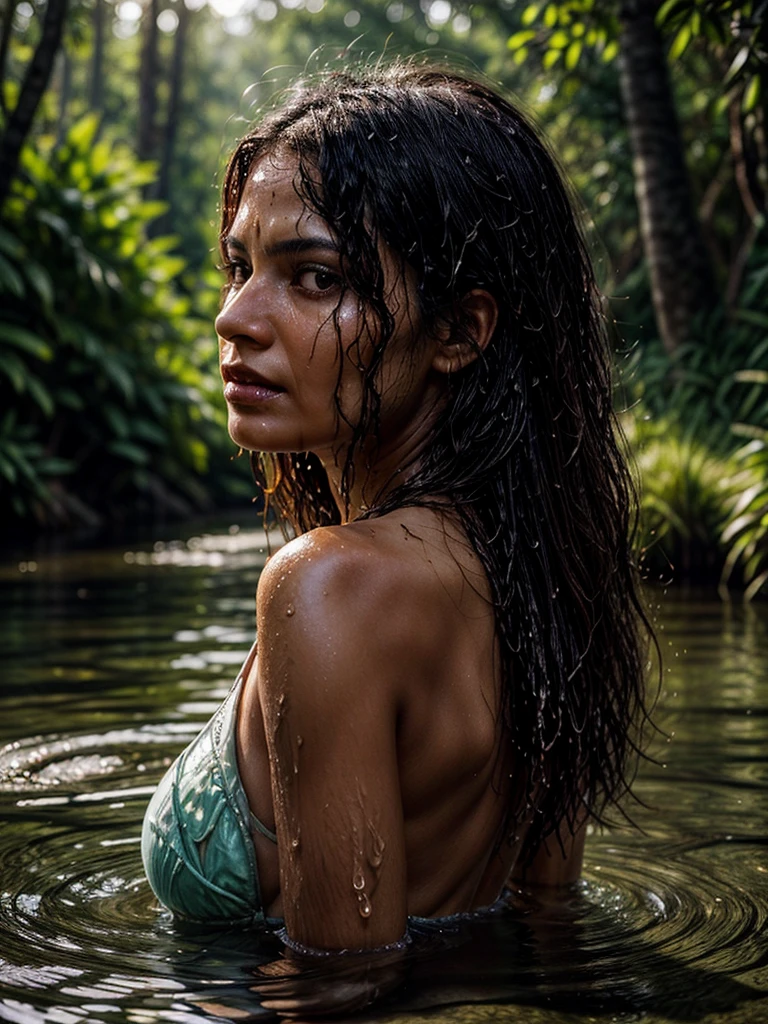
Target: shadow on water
pixel 111 662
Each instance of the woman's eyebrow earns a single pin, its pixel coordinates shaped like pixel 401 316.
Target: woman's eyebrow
pixel 288 245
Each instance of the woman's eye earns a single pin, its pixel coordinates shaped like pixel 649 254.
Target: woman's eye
pixel 236 272
pixel 315 280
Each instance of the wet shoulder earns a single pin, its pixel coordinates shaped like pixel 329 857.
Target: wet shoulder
pixel 370 592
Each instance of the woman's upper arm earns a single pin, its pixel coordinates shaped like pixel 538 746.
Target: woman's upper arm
pixel 330 710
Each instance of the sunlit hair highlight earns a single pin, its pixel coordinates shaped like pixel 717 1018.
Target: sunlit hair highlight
pixel 456 182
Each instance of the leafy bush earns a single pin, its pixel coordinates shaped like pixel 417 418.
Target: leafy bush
pixel 107 373
pixel 702 384
pixel 687 492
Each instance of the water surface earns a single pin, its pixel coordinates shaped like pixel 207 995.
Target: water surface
pixel 111 662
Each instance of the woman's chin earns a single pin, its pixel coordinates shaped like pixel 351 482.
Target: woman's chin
pixel 244 435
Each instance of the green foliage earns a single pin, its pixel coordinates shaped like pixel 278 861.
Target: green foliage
pixel 561 32
pixel 106 373
pixel 746 533
pixel 704 506
pixel 687 493
pixel 703 383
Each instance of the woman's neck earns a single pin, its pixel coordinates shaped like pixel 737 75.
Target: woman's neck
pixel 377 469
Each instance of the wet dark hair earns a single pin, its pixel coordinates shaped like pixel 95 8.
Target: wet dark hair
pixel 455 180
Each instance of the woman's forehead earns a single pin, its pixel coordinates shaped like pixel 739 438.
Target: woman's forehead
pixel 270 200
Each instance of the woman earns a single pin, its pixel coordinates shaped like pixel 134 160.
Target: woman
pixel 450 655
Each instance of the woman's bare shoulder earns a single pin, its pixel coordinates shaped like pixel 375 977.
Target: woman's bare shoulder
pixel 372 591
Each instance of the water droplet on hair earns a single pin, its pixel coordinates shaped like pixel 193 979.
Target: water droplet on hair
pixel 290 610
pixel 363 905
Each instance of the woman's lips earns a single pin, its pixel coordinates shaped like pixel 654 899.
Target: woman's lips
pixel 237 393
pixel 243 386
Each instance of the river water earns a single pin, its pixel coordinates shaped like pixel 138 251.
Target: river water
pixel 111 662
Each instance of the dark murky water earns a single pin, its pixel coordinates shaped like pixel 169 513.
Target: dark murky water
pixel 110 664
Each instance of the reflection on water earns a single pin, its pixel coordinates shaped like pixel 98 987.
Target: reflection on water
pixel 111 662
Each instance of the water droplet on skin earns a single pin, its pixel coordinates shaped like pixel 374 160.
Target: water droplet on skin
pixel 363 905
pixel 290 610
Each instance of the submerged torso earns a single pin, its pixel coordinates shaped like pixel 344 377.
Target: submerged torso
pixel 453 770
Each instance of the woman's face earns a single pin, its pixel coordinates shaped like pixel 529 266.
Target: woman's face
pixel 285 317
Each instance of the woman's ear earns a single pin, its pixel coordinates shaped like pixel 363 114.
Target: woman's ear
pixel 469 332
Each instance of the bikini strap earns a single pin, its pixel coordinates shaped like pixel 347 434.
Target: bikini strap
pixel 262 828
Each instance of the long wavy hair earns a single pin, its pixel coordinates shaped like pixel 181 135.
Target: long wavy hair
pixel 455 180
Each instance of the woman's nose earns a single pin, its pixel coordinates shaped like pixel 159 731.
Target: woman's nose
pixel 243 316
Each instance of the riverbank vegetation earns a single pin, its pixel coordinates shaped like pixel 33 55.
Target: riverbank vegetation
pixel 115 121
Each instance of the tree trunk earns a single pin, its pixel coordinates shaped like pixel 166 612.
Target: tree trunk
pixel 146 144
pixel 682 280
pixel 174 99
pixel 35 83
pixel 96 90
pixel 6 28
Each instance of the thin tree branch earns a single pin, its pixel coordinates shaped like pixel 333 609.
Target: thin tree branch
pixel 35 83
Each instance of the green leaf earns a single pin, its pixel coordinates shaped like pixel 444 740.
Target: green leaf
pixel 21 338
pixel 10 245
pixel 41 282
pixel 122 378
pixel 751 95
pixel 81 134
pixel 56 223
pixel 751 316
pixel 129 451
pixel 572 54
pixel 520 39
pixel 100 157
pixel 668 9
pixel 680 42
pixel 40 394
pixel 146 430
pixel 70 399
pixel 8 469
pixel 117 420
pixel 55 466
pixel 10 279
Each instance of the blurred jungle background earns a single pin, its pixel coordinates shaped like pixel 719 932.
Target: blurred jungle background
pixel 116 119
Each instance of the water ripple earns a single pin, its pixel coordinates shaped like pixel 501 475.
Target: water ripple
pixel 668 924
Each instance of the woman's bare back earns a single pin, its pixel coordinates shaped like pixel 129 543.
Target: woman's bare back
pixel 385 628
